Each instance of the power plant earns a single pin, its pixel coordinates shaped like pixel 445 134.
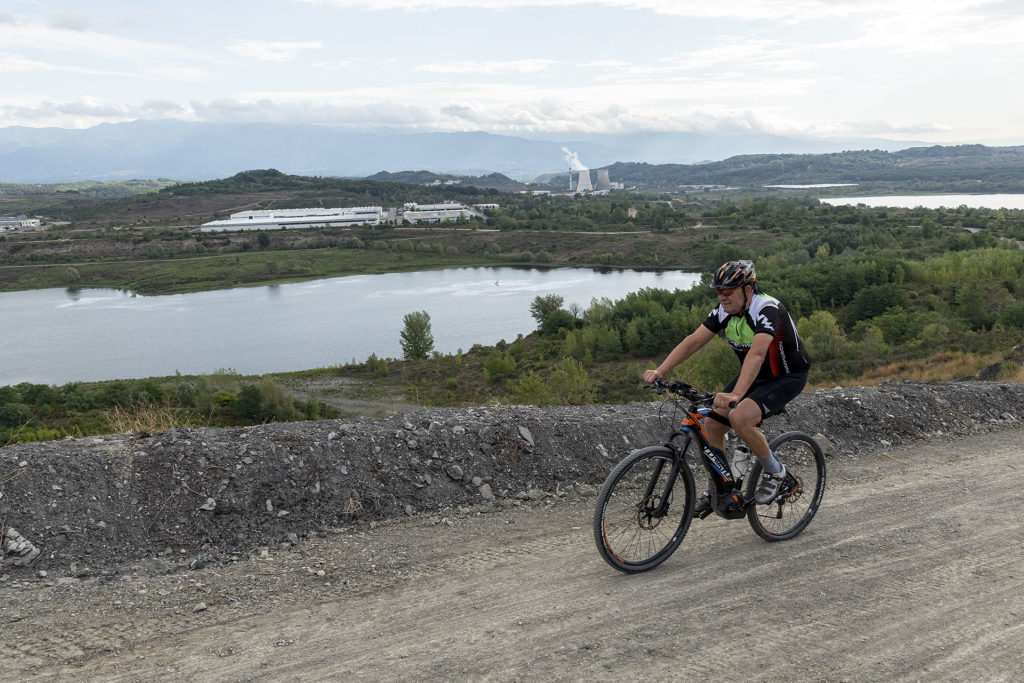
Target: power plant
pixel 582 176
pixel 583 181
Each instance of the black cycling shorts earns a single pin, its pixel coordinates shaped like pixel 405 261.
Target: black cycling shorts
pixel 772 395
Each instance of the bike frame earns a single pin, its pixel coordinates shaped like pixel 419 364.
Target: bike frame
pixel 720 473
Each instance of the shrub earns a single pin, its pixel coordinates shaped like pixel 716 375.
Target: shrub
pixel 499 365
pixel 378 366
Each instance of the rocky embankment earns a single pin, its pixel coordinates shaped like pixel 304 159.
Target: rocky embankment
pixel 192 497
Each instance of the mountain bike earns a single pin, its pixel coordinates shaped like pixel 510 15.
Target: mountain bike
pixel 645 506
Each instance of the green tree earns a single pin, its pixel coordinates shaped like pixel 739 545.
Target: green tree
pixel 544 306
pixel 821 333
pixel 417 338
pixel 570 384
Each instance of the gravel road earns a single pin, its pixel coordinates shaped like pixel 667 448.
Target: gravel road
pixel 912 570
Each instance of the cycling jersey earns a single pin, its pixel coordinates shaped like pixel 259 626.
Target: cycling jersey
pixel 765 314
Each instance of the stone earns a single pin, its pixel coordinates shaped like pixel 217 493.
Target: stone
pixel 486 493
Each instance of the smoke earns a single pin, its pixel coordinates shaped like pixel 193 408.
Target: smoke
pixel 573 159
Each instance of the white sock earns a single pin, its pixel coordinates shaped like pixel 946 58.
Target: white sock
pixel 771 464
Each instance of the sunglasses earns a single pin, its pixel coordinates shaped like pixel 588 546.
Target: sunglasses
pixel 727 292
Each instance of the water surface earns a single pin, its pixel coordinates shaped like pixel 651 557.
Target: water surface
pixel 54 336
pixel 949 201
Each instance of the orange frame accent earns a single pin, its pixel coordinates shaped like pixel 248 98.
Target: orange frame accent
pixel 695 420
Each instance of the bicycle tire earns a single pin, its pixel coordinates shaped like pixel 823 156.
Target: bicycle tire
pixel 628 537
pixel 802 491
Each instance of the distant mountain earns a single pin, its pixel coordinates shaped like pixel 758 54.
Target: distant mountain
pixel 692 148
pixel 203 151
pixel 498 181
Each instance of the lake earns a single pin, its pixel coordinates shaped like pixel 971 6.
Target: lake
pixel 950 201
pixel 55 336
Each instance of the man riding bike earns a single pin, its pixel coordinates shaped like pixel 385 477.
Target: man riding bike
pixel 773 368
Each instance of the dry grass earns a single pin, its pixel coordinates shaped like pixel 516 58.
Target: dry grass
pixel 354 508
pixel 941 367
pixel 145 418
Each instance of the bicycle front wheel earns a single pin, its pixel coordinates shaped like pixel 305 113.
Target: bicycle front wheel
pixel 801 492
pixel 642 511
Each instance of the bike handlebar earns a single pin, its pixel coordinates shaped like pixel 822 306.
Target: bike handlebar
pixel 681 389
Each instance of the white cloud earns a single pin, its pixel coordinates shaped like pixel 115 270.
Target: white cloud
pixel 521 66
pixel 84 45
pixel 851 67
pixel 10 63
pixel 944 28
pixel 71 22
pixel 271 51
pixel 748 10
pixel 80 113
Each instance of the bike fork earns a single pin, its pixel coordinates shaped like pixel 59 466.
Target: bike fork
pixel 666 490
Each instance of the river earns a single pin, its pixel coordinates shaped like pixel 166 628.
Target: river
pixel 55 336
pixel 950 201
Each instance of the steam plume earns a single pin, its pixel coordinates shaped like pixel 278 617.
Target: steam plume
pixel 573 159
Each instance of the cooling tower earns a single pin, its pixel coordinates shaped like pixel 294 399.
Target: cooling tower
pixel 603 183
pixel 584 182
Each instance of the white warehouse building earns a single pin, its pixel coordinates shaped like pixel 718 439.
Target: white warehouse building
pixel 435 213
pixel 283 219
pixel 15 223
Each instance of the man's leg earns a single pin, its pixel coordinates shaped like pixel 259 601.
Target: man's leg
pixel 745 418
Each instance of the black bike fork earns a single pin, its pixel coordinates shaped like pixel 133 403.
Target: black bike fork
pixel 678 457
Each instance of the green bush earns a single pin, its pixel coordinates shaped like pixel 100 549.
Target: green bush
pixel 378 366
pixel 499 365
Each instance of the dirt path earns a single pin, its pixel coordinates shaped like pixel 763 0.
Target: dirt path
pixel 913 570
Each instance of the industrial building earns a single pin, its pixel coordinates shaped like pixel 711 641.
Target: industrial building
pixel 435 213
pixel 582 182
pixel 16 223
pixel 282 219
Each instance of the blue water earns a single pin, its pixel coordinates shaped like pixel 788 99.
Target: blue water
pixel 54 336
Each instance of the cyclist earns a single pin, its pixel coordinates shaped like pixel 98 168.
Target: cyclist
pixel 773 368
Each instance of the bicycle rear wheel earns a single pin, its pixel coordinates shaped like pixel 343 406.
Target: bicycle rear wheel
pixel 801 492
pixel 634 532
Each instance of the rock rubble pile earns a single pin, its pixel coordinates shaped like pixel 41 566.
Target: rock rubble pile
pixel 191 497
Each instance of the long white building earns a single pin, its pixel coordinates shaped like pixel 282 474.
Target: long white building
pixel 435 213
pixel 15 223
pixel 282 219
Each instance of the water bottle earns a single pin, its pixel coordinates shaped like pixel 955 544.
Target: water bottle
pixel 740 460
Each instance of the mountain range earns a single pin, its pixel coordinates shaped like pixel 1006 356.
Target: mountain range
pixel 203 151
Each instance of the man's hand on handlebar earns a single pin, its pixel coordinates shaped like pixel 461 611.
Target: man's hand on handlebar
pixel 650 376
pixel 725 401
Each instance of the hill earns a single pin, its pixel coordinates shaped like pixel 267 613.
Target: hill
pixel 496 181
pixel 937 168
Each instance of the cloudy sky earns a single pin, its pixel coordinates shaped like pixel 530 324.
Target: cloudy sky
pixel 944 71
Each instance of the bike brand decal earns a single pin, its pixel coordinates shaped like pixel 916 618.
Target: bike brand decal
pixel 719 464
